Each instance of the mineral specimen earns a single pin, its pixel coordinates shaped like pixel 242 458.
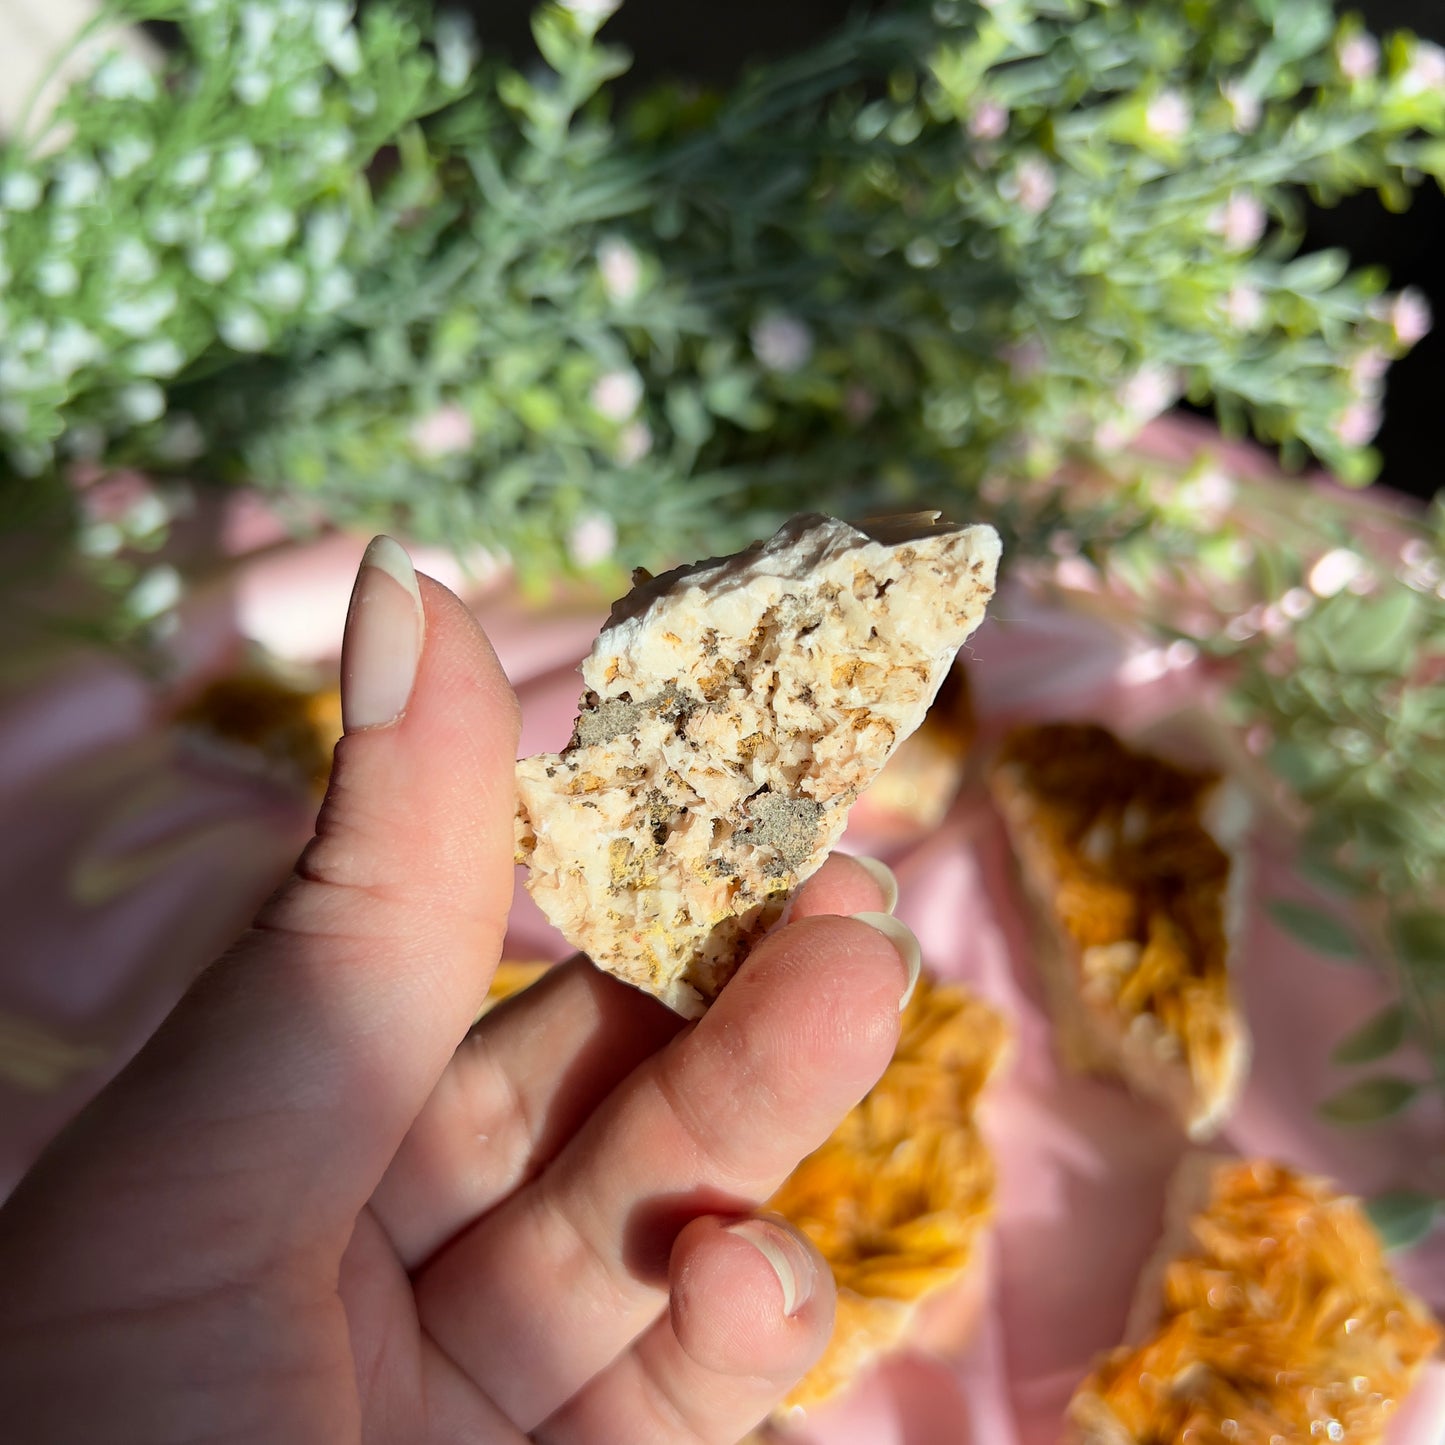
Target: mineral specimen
pixel 1273 1316
pixel 734 710
pixel 898 1198
pixel 1120 851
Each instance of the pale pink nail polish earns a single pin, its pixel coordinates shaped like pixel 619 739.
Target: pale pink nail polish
pixel 381 649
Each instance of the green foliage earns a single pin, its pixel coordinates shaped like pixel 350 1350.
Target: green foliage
pixel 1369 1101
pixel 950 244
pixel 1403 1217
pixel 1316 930
pixel 1374 1040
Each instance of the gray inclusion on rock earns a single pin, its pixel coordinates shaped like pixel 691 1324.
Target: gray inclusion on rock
pixel 605 721
pixel 789 826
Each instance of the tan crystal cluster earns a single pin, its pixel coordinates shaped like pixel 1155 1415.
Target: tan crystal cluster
pixel 897 1198
pixel 734 710
pixel 1277 1318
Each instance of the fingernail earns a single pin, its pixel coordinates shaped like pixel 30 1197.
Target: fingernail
pixel 789 1261
pixel 901 937
pixel 883 876
pixel 382 644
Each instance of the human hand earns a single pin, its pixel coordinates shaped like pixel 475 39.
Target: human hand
pixel 320 1206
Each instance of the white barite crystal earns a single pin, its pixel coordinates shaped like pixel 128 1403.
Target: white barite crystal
pixel 735 709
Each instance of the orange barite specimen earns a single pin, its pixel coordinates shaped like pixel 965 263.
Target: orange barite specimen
pixel 1280 1322
pixel 1115 847
pixel 897 1198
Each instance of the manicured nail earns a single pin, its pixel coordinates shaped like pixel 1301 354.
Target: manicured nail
pixel 901 937
pixel 790 1262
pixel 883 876
pixel 382 644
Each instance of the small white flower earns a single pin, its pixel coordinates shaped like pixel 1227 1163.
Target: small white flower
pixel 304 99
pixel 182 440
pixel 1296 603
pixel 1425 74
pixel 191 170
pixel 594 11
pixel 363 101
pixel 123 77
pixel 77 182
pixel 251 87
pixel 456 45
pixel 157 358
pixel 922 253
pixel 170 227
pixel 333 291
pixel 258 28
pixel 1358 423
pixel 1240 221
pixel 141 402
pixel 20 191
pixel 128 154
pixel 1208 495
pixel 329 21
pixel 1033 185
pixel 15 377
pixel 141 315
pixel 1335 571
pixel 281 286
pixel 326 234
pixel 1244 307
pixel 1168 116
pixel 443 432
pixel 243 330
pixel 1151 390
pixel 85 443
pixel 32 336
pixel 593 540
pixel 633 444
pixel 65 228
pixel 1410 317
pixel 240 163
pixel 331 147
pixel 1366 370
pixel 271 226
pixel 616 395
pixel 1025 359
pixel 1244 106
pixel 345 54
pixel 989 120
pixel 56 276
pixel 620 268
pixel 72 346
pixel 212 261
pixel 156 593
pixel 1358 57
pixel 782 343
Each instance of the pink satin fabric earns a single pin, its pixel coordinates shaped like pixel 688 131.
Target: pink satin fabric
pixel 128 860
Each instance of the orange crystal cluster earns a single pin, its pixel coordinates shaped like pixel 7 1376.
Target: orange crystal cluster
pixel 1139 885
pixel 896 1199
pixel 1281 1323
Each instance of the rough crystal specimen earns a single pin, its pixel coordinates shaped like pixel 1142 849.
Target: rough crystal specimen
pixel 734 710
pixel 1120 851
pixel 1273 1315
pixel 899 1197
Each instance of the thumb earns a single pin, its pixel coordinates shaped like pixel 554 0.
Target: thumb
pixel 319 1036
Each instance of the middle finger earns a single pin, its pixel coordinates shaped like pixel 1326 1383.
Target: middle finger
pixel 539 1295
